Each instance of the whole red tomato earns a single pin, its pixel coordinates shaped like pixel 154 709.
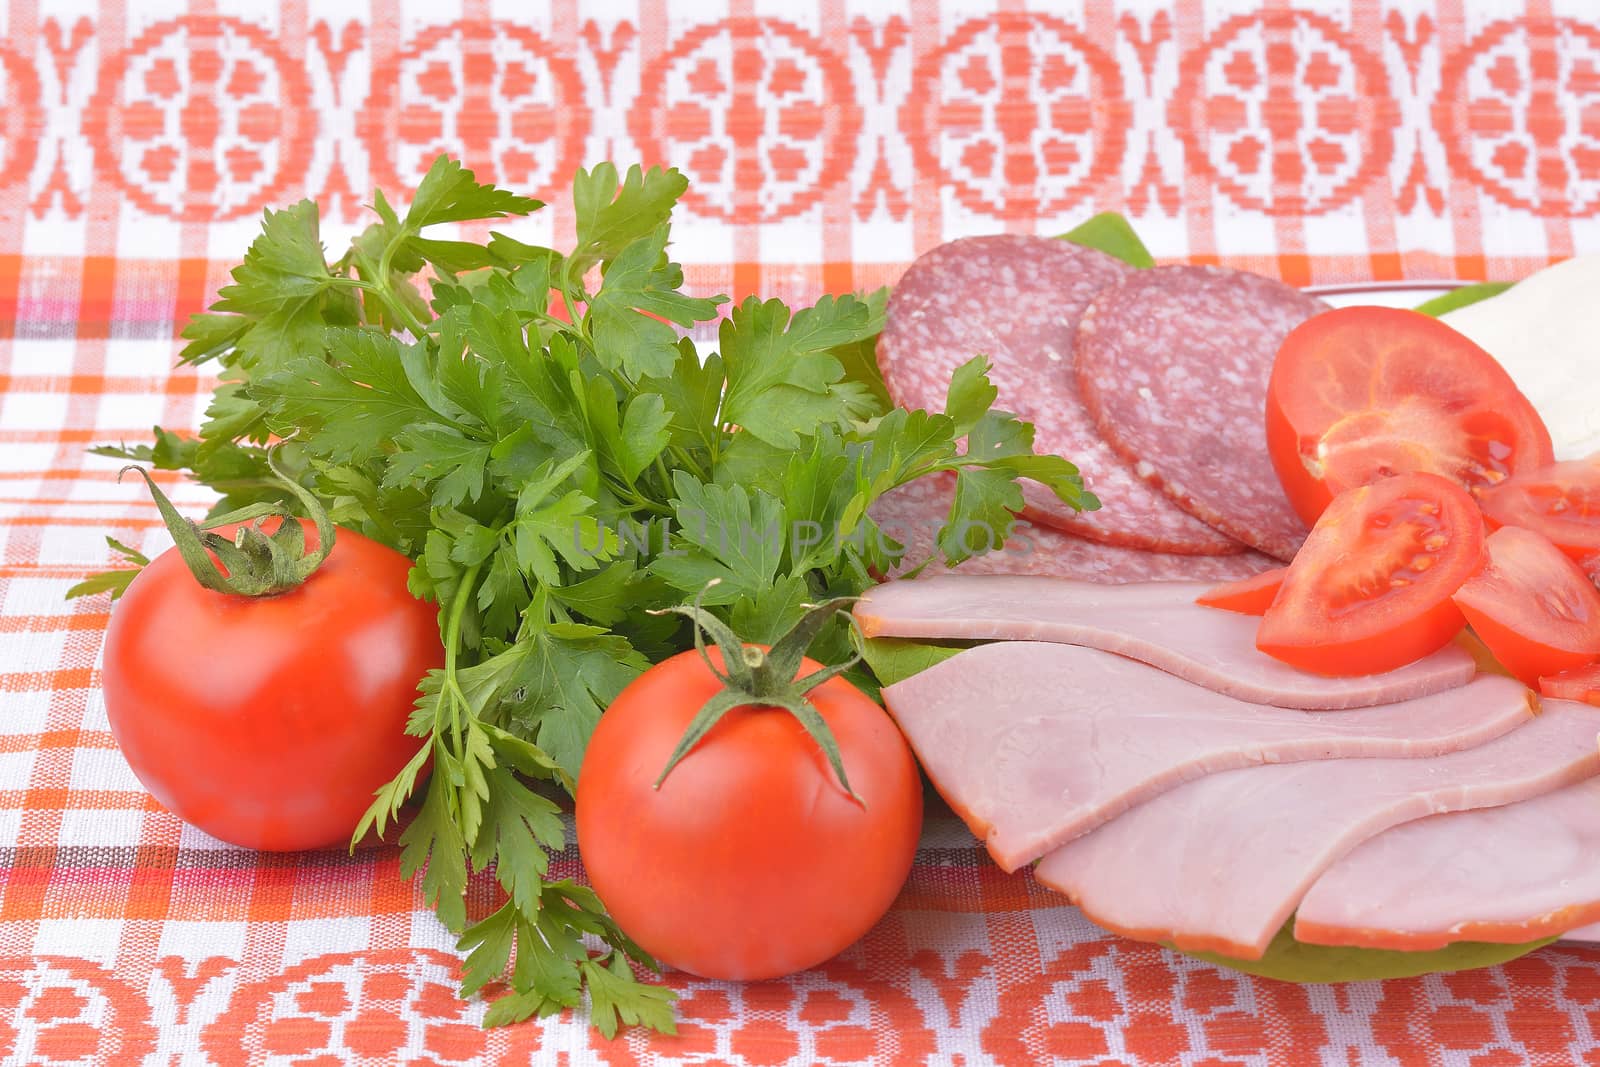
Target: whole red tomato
pixel 750 861
pixel 268 721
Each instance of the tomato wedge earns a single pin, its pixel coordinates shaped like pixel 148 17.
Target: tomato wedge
pixel 1535 608
pixel 1361 393
pixel 1370 589
pixel 1247 596
pixel 1580 683
pixel 1561 501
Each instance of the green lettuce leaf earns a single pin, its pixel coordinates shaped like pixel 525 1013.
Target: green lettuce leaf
pixel 1112 234
pixel 894 659
pixel 1288 960
pixel 1460 298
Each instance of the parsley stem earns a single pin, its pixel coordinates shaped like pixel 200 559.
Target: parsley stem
pixel 634 499
pixel 572 314
pixel 666 476
pixel 386 261
pixel 549 320
pixel 394 306
pixel 684 462
pixel 452 642
pixel 385 265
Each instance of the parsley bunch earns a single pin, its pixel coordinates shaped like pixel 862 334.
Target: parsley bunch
pixel 534 430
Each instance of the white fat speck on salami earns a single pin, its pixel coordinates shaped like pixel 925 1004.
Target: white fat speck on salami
pixel 1017 300
pixel 1173 365
pixel 914 513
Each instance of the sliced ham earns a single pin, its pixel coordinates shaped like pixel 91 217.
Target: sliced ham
pixel 1155 622
pixel 1511 874
pixel 1034 744
pixel 1220 863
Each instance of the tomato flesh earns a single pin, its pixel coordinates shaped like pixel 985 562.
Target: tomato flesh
pixel 268 722
pixel 749 861
pixel 1532 605
pixel 1248 596
pixel 1363 393
pixel 1580 683
pixel 1370 589
pixel 1560 501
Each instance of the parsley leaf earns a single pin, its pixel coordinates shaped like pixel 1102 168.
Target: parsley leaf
pixel 692 395
pixel 617 997
pixel 446 460
pixel 727 534
pixel 349 405
pixel 643 434
pixel 434 842
pixel 569 672
pixel 970 395
pixel 782 379
pixel 859 357
pixel 114 582
pixel 272 311
pixel 982 514
pixel 451 193
pixel 610 219
pixel 630 316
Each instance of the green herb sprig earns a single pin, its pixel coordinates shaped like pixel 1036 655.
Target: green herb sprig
pixel 535 429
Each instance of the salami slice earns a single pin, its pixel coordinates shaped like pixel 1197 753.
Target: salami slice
pixel 1017 300
pixel 1173 366
pixel 914 514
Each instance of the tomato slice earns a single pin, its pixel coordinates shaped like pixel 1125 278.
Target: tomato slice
pixel 1361 393
pixel 1370 589
pixel 1532 605
pixel 1561 501
pixel 1247 596
pixel 1580 683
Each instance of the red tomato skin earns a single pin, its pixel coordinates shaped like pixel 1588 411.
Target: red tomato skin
pixel 1580 683
pixel 1508 606
pixel 1247 596
pixel 268 722
pixel 1359 393
pixel 1560 501
pixel 750 862
pixel 1308 494
pixel 1301 628
pixel 1424 635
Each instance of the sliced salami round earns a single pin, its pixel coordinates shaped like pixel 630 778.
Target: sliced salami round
pixel 1173 364
pixel 1017 301
pixel 914 514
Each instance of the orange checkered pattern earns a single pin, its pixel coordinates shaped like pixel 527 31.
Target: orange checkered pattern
pixel 828 144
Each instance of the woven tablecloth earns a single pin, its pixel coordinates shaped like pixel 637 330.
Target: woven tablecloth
pixel 828 144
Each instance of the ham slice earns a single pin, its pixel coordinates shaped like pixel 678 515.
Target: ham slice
pixel 1511 874
pixel 1155 622
pixel 1220 863
pixel 1034 744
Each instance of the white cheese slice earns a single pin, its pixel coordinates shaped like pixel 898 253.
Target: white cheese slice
pixel 1545 331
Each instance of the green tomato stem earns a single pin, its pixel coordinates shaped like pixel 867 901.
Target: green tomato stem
pixel 753 677
pixel 258 563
